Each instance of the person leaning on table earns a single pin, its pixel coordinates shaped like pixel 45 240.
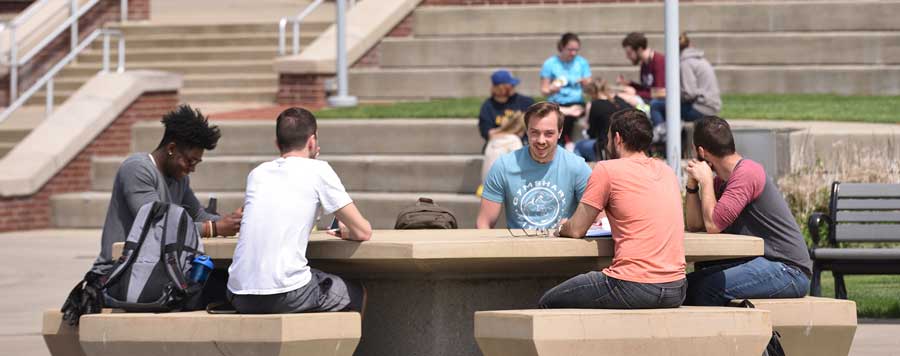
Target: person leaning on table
pixel 641 197
pixel 741 199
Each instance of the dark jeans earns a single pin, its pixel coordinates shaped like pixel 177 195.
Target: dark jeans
pixel 596 290
pixel 585 149
pixel 758 278
pixel 658 112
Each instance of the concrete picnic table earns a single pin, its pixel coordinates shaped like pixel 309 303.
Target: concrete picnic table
pixel 424 286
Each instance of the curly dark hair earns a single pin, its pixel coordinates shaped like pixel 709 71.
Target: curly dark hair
pixel 188 128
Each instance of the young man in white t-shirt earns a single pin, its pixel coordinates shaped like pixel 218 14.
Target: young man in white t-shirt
pixel 270 273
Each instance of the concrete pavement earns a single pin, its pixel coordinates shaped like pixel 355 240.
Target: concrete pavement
pixel 38 268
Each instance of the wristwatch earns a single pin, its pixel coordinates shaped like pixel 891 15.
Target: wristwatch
pixel 692 191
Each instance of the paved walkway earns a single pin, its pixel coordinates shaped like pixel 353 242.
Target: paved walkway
pixel 38 268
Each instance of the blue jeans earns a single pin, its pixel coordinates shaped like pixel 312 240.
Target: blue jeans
pixel 658 112
pixel 758 278
pixel 596 290
pixel 585 149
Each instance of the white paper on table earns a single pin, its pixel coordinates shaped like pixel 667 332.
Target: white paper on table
pixel 602 230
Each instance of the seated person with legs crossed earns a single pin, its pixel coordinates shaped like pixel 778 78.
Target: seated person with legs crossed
pixel 641 197
pixel 270 273
pixel 537 185
pixel 741 199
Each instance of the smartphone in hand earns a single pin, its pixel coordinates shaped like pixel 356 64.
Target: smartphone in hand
pixel 335 227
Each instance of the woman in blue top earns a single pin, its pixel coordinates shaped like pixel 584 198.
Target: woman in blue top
pixel 562 76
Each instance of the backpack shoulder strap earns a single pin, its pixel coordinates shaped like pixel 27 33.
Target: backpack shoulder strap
pixel 154 214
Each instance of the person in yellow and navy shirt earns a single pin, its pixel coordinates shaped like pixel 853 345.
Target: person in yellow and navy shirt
pixel 504 103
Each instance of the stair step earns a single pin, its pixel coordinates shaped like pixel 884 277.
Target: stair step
pixel 743 16
pixel 189 54
pixel 340 137
pixel 359 173
pixel 791 48
pixel 88 209
pixel 148 29
pixel 419 83
pixel 206 40
pixel 182 67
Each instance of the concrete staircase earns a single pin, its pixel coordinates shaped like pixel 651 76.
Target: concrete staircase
pixel 220 63
pixel 846 47
pixel 385 164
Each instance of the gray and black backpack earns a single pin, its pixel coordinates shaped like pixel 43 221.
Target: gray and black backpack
pixel 152 273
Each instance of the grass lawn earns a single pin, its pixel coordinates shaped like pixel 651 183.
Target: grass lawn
pixel 875 296
pixel 881 109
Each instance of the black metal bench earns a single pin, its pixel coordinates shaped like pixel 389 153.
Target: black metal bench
pixel 857 213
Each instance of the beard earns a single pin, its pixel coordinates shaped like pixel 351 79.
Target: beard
pixel 613 152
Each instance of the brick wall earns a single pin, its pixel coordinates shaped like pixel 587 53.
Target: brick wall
pixel 33 212
pixel 306 90
pixel 103 12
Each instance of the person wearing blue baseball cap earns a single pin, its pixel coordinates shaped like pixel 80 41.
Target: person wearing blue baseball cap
pixel 503 104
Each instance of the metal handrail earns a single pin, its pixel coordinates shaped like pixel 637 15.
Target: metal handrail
pixel 47 78
pixel 71 24
pixel 295 21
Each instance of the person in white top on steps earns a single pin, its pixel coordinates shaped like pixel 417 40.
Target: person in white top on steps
pixel 270 273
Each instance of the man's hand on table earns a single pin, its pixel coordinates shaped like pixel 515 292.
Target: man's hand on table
pixel 230 224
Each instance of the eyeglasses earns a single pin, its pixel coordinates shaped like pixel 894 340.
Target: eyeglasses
pixel 531 233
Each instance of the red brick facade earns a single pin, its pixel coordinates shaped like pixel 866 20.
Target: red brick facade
pixel 33 212
pixel 306 90
pixel 103 12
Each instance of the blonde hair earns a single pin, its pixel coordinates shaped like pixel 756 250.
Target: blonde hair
pixel 513 124
pixel 597 87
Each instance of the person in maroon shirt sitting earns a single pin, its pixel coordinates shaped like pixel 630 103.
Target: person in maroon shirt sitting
pixel 652 86
pixel 741 199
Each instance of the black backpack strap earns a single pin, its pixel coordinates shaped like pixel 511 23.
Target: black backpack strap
pixel 153 216
pixel 171 254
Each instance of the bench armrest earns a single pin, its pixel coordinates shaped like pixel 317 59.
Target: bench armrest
pixel 814 222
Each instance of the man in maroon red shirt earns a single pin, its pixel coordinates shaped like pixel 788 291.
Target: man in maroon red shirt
pixel 741 199
pixel 653 67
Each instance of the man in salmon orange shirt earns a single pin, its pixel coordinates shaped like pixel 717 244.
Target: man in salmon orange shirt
pixel 641 197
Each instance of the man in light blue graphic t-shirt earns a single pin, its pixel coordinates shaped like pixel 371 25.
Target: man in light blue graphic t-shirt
pixel 538 185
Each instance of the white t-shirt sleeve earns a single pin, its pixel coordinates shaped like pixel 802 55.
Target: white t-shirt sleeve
pixel 331 192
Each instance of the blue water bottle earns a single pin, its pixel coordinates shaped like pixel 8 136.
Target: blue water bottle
pixel 201 266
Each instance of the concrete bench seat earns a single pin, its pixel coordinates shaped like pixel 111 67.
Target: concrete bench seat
pixel 688 331
pixel 61 339
pixel 812 326
pixel 200 333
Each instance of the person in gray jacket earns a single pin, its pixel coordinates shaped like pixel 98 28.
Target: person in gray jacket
pixel 699 88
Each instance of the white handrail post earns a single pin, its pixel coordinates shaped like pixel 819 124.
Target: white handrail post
pixel 296 42
pixel 49 108
pixel 13 64
pixel 123 8
pixel 121 65
pixel 673 88
pixel 105 52
pixel 281 34
pixel 73 30
pixel 342 99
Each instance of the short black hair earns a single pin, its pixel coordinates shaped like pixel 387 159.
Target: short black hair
pixel 293 128
pixel 634 128
pixel 635 41
pixel 565 39
pixel 714 134
pixel 188 129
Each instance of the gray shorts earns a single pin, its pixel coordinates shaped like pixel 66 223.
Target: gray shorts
pixel 325 292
